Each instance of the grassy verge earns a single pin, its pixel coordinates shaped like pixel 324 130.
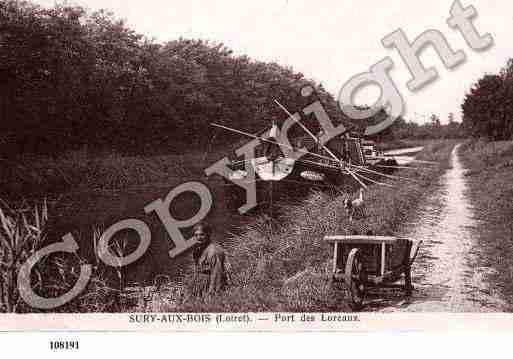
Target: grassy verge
pixel 39 176
pixel 404 143
pixel 397 144
pixel 286 267
pixel 42 175
pixel 281 266
pixel 490 178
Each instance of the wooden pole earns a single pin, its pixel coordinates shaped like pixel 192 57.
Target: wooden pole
pixel 335 257
pixel 371 180
pixel 307 131
pixel 383 254
pixel 382 174
pixel 356 178
pixel 273 142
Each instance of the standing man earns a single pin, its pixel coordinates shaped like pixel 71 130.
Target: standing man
pixel 209 263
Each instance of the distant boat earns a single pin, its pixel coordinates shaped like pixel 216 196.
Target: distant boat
pixel 403 156
pixel 404 151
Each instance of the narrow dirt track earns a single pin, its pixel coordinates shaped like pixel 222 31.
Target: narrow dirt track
pixel 446 275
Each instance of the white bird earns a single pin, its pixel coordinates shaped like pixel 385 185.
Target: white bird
pixel 355 207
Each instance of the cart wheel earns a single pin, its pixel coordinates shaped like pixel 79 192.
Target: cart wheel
pixel 354 278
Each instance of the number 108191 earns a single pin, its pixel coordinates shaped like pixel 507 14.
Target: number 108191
pixel 63 345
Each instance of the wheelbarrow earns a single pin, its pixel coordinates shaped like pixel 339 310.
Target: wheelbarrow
pixel 363 262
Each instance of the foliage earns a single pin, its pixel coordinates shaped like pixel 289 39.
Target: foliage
pixel 21 234
pixel 402 129
pixel 71 79
pixel 488 107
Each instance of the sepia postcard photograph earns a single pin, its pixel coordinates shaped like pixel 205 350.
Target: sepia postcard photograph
pixel 255 166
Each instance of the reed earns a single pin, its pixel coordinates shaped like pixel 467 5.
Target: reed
pixel 21 234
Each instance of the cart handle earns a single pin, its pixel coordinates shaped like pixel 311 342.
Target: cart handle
pixel 361 239
pixel 414 251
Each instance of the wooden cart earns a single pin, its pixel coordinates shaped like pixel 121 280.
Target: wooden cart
pixel 372 261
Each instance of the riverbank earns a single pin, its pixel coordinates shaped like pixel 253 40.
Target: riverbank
pixel 275 265
pixel 38 176
pixel 490 178
pixel 286 266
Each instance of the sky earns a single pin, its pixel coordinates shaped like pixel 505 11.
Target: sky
pixel 332 41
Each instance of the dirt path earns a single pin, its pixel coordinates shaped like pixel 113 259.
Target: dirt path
pixel 446 275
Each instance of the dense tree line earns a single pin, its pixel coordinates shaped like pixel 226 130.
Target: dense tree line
pixel 70 78
pixel 403 129
pixel 488 107
pixel 433 129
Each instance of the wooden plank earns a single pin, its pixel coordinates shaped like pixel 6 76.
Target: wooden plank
pixel 383 253
pixel 360 239
pixel 335 257
pixel 414 251
pixel 377 259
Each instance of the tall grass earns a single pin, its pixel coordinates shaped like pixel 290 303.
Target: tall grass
pixel 82 170
pixel 22 233
pixel 490 178
pixel 286 267
pixel 274 266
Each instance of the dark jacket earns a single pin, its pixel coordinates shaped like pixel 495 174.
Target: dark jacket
pixel 210 270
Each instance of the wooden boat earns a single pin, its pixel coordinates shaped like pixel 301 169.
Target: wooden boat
pixel 338 166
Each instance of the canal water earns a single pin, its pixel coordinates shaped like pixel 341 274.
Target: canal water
pixel 81 212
